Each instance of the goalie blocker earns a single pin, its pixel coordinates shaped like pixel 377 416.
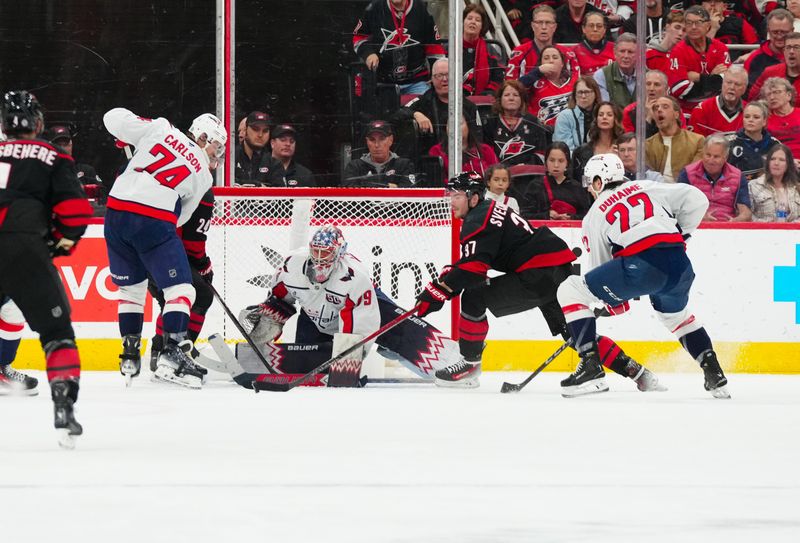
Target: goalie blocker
pixel 414 343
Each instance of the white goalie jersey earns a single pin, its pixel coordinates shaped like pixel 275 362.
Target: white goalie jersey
pixel 345 303
pixel 634 216
pixel 168 174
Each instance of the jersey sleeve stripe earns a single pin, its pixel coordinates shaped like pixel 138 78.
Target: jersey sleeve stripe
pixel 474 266
pixel 346 316
pixel 73 212
pixel 545 260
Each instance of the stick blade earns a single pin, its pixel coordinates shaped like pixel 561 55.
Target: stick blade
pixel 270 386
pixel 509 387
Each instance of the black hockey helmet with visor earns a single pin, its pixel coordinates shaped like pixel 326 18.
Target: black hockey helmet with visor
pixel 469 182
pixel 19 113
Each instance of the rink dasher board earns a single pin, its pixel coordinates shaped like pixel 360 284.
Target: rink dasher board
pixel 733 295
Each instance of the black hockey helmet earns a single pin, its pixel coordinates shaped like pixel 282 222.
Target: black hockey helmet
pixel 470 182
pixel 19 112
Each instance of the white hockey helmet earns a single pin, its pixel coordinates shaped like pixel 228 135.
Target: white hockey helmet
pixel 326 248
pixel 209 125
pixel 606 167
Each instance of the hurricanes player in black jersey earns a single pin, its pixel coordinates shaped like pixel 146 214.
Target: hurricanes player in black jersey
pixel 193 234
pixel 535 262
pixel 43 213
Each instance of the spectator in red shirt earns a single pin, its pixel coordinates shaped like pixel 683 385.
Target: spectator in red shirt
pixel 789 70
pixel 698 62
pixel 526 56
pixel 722 113
pixel 784 118
pixel 476 156
pixel 657 56
pixel 549 85
pixel 482 71
pixel 594 51
pixel 779 23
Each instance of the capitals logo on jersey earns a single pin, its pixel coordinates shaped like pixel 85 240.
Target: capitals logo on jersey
pixel 513 147
pixel 395 39
pixel 551 106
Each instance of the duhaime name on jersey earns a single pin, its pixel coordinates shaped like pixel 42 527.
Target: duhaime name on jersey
pixel 28 150
pixel 182 150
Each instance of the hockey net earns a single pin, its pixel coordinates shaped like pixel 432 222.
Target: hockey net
pixel 402 236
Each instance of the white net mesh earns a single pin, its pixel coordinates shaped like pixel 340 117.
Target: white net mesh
pixel 403 237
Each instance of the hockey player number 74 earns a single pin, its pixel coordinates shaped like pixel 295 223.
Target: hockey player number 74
pixel 622 211
pixel 169 177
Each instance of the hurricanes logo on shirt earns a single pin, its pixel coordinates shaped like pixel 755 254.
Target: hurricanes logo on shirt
pixel 396 39
pixel 513 147
pixel 552 106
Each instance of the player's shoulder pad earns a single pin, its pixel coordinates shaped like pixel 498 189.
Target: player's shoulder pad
pixel 477 219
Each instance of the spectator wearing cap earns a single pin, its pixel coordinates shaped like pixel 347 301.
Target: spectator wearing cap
pixel 61 136
pixel 286 172
pixel 253 160
pixel 379 167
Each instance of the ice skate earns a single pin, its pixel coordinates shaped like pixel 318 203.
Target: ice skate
pixel 462 374
pixel 645 380
pixel 716 382
pixel 16 383
pixel 175 366
pixel 130 364
pixel 65 394
pixel 588 378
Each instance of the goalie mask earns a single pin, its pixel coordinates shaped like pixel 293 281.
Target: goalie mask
pixel 607 168
pixel 211 127
pixel 325 250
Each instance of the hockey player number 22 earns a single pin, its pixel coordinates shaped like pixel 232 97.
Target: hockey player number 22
pixel 622 211
pixel 169 177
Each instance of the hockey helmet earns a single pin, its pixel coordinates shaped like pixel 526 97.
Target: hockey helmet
pixel 20 112
pixel 470 182
pixel 213 129
pixel 606 167
pixel 325 249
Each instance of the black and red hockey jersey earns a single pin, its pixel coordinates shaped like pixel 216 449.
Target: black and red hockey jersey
pixel 522 143
pixel 496 237
pixel 40 191
pixel 194 233
pixel 403 41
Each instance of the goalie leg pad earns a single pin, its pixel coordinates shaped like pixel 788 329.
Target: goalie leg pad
pixel 347 371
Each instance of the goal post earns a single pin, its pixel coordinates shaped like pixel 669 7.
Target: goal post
pixel 403 237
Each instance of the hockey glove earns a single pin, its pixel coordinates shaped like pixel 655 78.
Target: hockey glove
pixel 58 245
pixel 207 271
pixel 618 309
pixel 266 320
pixel 432 298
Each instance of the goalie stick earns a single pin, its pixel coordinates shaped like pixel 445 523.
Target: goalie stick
pixel 509 387
pixel 284 387
pixel 242 330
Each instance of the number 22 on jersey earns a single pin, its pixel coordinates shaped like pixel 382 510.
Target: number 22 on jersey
pixel 621 211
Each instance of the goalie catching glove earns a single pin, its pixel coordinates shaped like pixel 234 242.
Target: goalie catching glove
pixel 266 320
pixel 432 298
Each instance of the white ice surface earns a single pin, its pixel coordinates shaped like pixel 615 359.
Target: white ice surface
pixel 161 463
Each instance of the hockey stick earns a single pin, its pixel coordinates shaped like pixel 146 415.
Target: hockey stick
pixel 509 387
pixel 241 330
pixel 284 387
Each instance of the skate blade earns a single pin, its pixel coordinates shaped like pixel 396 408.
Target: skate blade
pixel 128 380
pixel 658 388
pixel 20 392
pixel 472 382
pixel 721 393
pixel 66 440
pixel 590 387
pixel 167 376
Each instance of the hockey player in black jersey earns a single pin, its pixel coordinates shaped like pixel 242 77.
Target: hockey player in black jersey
pixel 535 262
pixel 43 213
